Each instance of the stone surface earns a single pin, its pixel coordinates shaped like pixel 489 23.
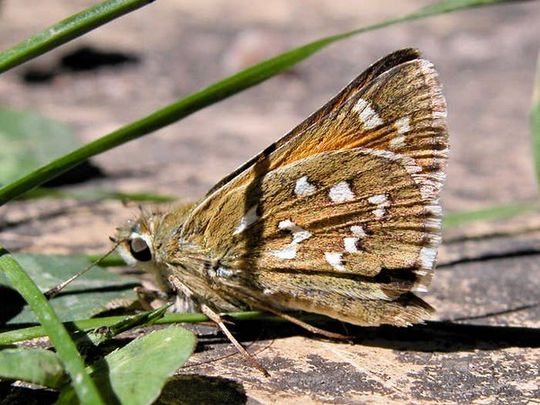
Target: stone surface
pixel 489 274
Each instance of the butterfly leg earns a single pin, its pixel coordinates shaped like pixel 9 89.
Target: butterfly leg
pixel 215 317
pixel 146 297
pixel 308 327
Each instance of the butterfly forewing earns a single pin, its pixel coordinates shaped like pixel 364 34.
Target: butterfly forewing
pixel 400 110
pixel 394 59
pixel 345 207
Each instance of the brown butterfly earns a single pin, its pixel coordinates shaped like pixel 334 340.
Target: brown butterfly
pixel 340 217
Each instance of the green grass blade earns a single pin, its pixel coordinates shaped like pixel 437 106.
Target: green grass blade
pixel 66 30
pixel 97 195
pixel 59 336
pixel 18 335
pixel 455 219
pixel 210 95
pixel 100 335
pixel 112 260
pixel 535 120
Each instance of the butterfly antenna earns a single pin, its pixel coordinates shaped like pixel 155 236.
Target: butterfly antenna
pixel 53 292
pixel 216 318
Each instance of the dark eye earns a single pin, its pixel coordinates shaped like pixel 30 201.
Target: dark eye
pixel 140 250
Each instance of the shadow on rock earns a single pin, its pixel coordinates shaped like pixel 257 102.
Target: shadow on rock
pixel 196 389
pixel 435 336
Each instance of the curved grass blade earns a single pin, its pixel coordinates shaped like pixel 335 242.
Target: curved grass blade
pixel 33 332
pixel 113 260
pixel 97 195
pixel 65 347
pixel 535 120
pixel 212 94
pixel 454 219
pixel 100 335
pixel 66 30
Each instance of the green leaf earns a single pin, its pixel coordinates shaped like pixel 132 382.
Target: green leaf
pixel 535 120
pixel 66 30
pixel 38 366
pixel 136 373
pixel 59 336
pixel 85 297
pixel 212 94
pixel 30 140
pixel 454 219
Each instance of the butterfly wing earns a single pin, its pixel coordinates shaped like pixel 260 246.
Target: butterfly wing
pixel 379 67
pixel 342 218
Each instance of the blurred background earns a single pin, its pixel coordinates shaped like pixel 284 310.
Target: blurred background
pixel 147 59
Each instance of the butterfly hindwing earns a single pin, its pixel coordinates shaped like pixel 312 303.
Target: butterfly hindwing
pixel 345 233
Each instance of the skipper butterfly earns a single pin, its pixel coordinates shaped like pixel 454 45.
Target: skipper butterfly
pixel 340 217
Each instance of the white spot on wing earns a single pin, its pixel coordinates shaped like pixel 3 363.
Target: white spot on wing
pixel 350 245
pixel 298 234
pixel 428 254
pixel 350 242
pixel 334 259
pixel 402 126
pixel 367 114
pixel 421 288
pixel 439 115
pixel 286 253
pixel 224 272
pixel 358 230
pixel 378 199
pixel 397 142
pixel 381 201
pixel 304 188
pixel 247 220
pixel 434 210
pixel 341 192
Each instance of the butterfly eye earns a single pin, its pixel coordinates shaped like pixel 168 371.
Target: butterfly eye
pixel 140 250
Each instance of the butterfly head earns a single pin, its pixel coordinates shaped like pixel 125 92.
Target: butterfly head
pixel 136 242
pixel 144 242
pixel 137 246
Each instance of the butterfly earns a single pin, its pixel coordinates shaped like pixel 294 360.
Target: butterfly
pixel 340 217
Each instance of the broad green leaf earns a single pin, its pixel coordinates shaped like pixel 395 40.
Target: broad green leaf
pixel 535 120
pixel 136 373
pixel 30 140
pixel 38 366
pixel 59 336
pixel 85 297
pixel 212 94
pixel 66 30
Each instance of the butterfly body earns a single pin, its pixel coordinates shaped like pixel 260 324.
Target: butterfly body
pixel 340 217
